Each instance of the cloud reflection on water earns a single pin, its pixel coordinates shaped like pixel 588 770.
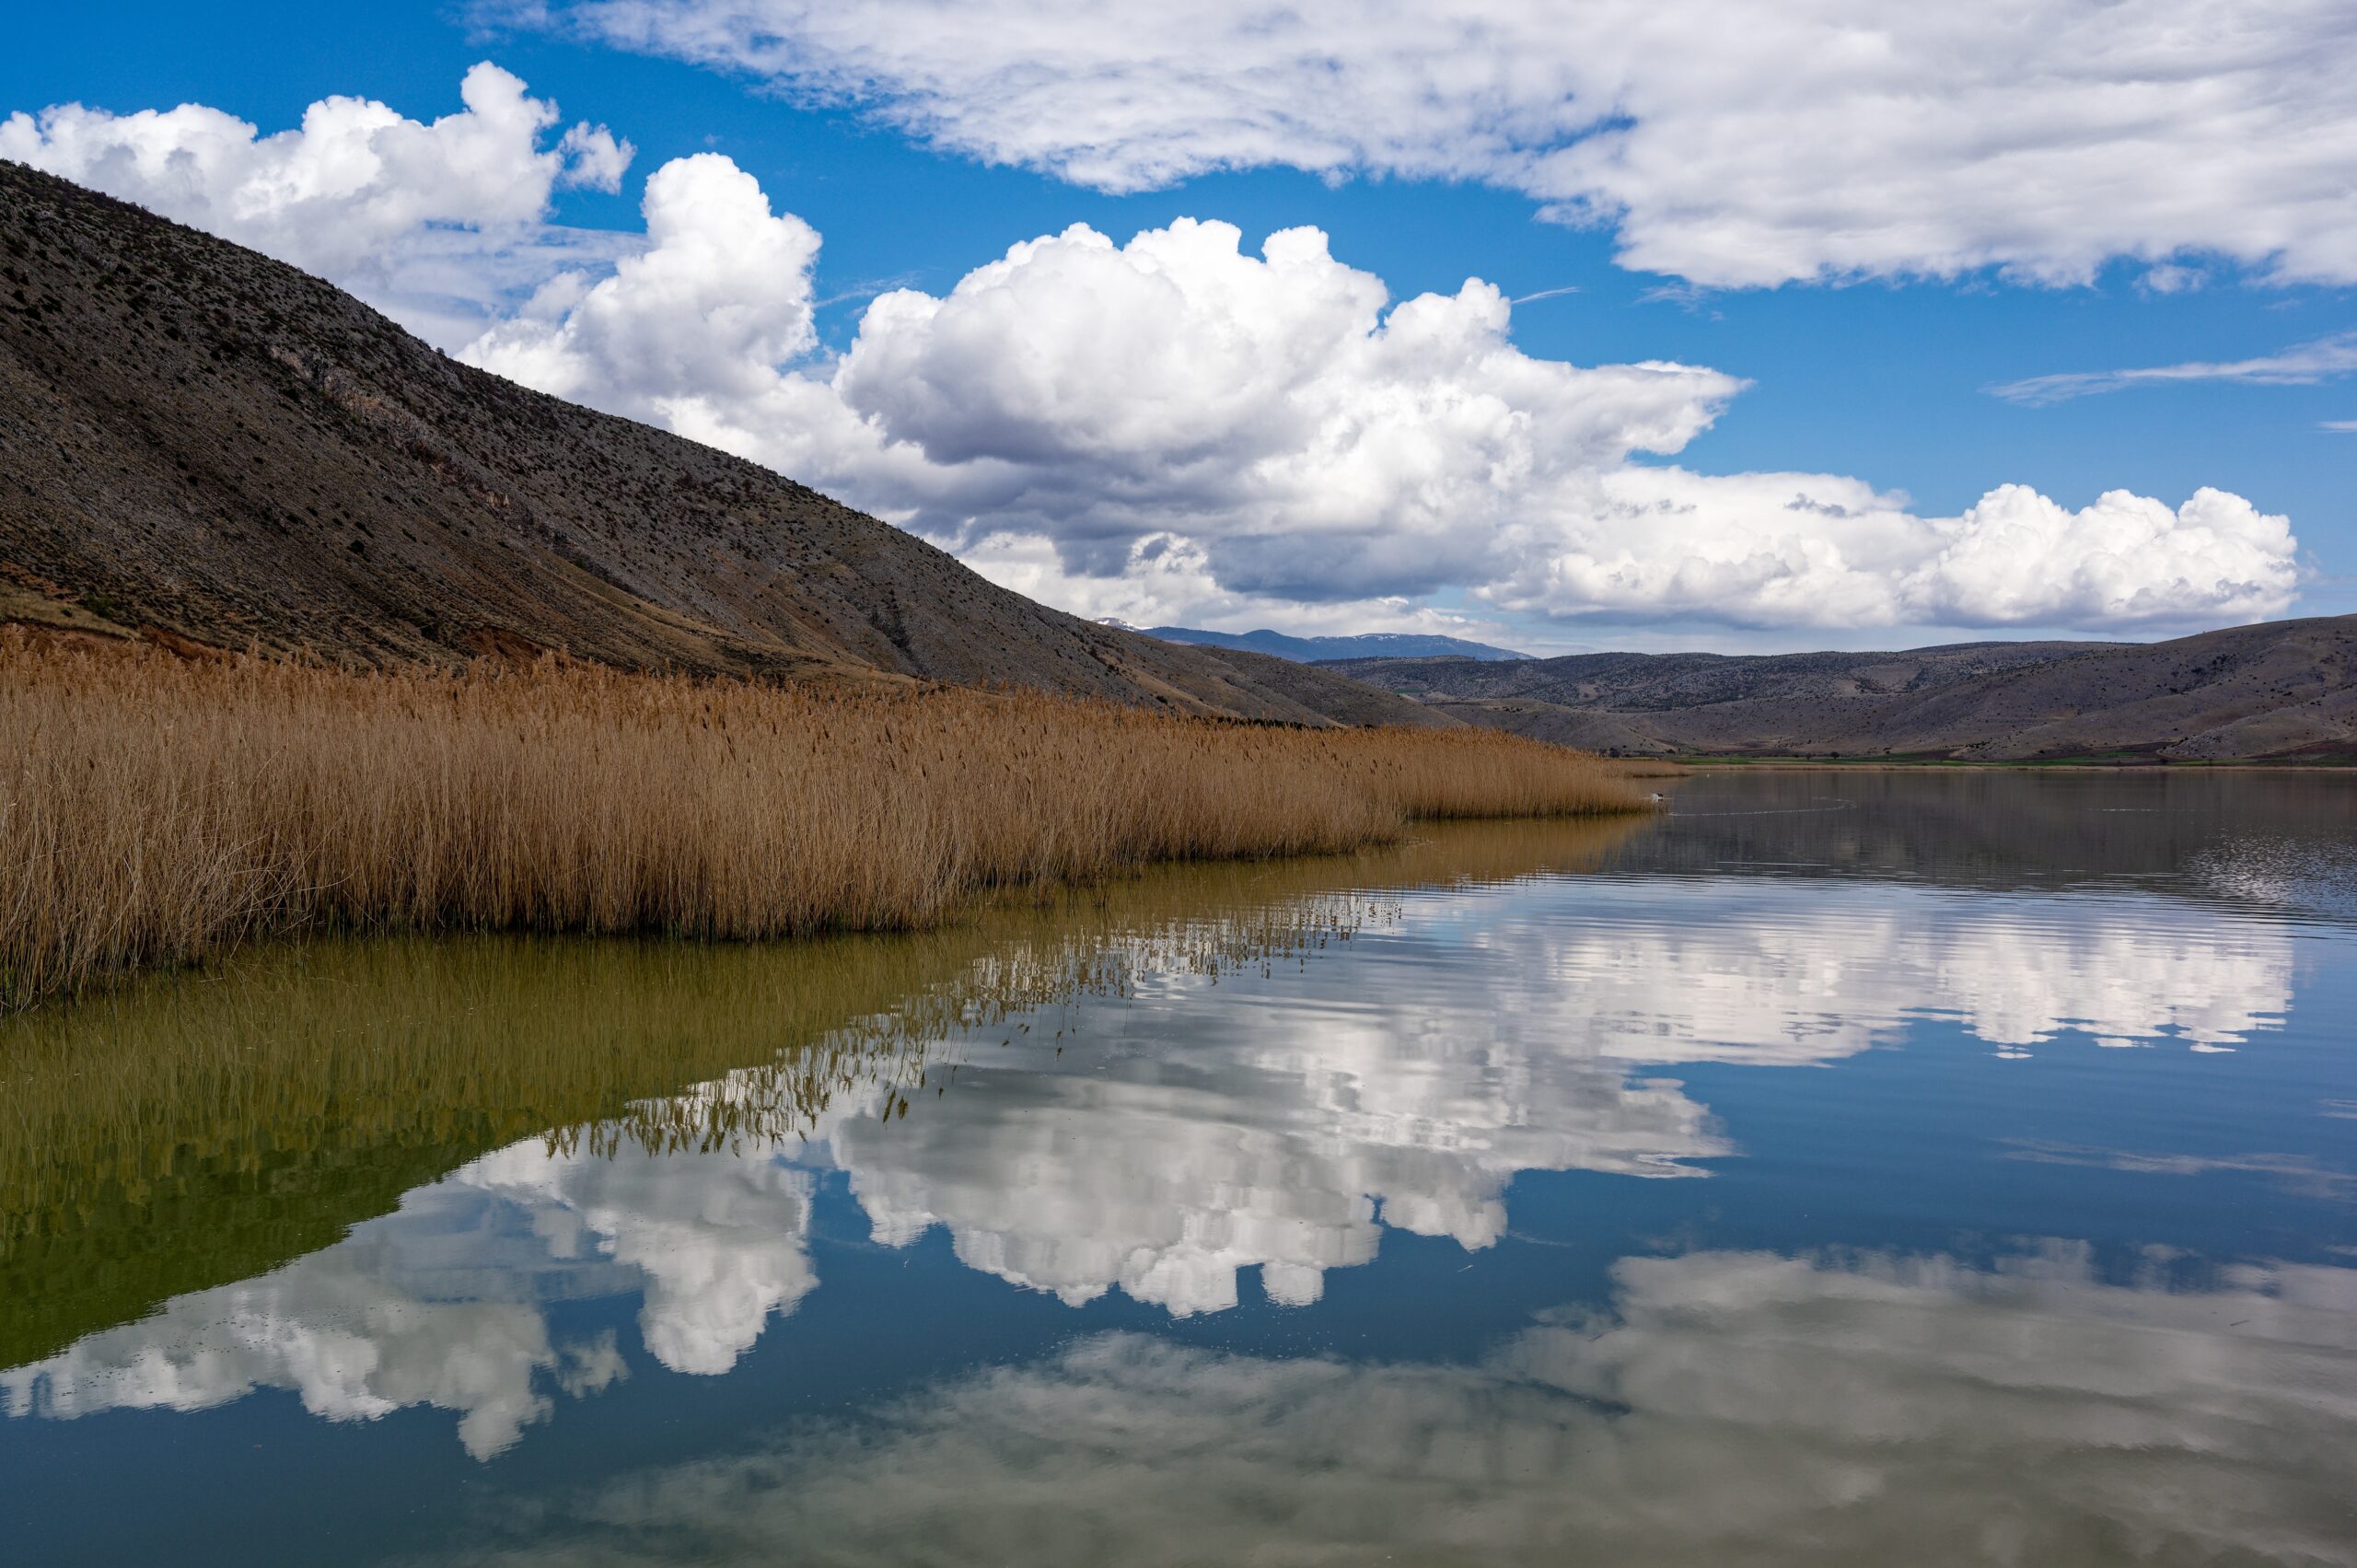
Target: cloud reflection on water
pixel 1729 1407
pixel 1203 1129
pixel 1278 1132
pixel 1762 972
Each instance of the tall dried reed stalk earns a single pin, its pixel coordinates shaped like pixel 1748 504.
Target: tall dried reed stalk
pixel 155 810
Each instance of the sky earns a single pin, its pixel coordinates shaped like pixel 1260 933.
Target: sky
pixel 1643 324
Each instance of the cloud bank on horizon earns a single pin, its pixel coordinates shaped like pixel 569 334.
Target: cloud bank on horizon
pixel 1176 429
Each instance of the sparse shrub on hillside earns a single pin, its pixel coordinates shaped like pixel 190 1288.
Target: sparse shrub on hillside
pixel 155 810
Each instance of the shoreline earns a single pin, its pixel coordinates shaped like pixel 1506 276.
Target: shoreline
pixel 1830 764
pixel 156 812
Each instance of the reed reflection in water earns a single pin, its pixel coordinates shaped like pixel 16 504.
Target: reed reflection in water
pixel 1682 1209
pixel 181 1134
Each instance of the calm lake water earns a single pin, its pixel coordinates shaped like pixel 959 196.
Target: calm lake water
pixel 1842 1168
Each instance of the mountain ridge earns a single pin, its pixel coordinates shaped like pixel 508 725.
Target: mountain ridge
pixel 2276 690
pixel 204 445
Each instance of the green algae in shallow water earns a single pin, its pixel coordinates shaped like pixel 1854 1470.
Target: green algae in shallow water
pixel 193 1131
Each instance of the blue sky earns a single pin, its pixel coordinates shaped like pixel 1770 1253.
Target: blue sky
pixel 1876 365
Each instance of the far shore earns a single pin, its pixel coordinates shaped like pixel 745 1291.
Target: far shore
pixel 1887 764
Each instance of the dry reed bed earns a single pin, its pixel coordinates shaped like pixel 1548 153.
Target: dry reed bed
pixel 156 810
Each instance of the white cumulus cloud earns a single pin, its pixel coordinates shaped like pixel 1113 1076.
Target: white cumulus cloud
pixel 434 220
pixel 1726 143
pixel 720 296
pixel 1177 428
pixel 1820 550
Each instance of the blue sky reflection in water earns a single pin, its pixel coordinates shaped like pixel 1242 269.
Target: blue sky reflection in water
pixel 1849 1166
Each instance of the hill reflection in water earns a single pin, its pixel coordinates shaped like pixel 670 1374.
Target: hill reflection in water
pixel 2036 1242
pixel 190 1131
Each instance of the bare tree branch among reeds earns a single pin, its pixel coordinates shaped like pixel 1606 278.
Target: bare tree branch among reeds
pixel 158 810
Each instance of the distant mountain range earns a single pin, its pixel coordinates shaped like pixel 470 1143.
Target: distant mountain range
pixel 2284 690
pixel 200 444
pixel 1307 650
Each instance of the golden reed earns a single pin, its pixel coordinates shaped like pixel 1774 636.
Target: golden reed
pixel 157 810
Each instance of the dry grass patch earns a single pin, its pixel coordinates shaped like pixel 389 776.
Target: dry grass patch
pixel 155 810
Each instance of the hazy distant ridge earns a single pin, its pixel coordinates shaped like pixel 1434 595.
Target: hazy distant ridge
pixel 1305 650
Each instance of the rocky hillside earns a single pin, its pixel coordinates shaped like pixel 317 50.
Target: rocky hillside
pixel 2284 690
pixel 199 442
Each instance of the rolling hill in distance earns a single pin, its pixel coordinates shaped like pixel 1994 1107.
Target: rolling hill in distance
pixel 2282 689
pixel 202 445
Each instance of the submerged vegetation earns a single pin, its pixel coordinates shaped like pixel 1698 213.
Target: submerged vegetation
pixel 158 810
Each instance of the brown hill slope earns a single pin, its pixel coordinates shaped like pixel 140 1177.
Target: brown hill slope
pixel 201 443
pixel 2284 689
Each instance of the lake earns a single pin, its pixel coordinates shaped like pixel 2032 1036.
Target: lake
pixel 1843 1167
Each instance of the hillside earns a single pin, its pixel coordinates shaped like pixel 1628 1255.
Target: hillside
pixel 1367 644
pixel 2281 689
pixel 198 443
